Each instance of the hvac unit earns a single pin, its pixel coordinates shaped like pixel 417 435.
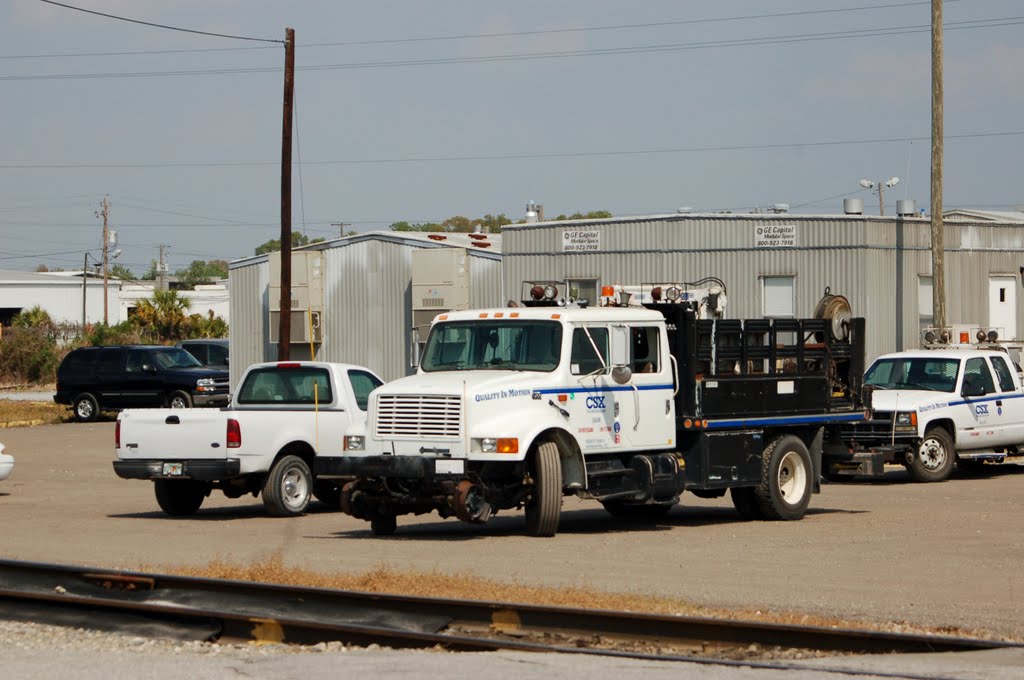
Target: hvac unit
pixel 307 299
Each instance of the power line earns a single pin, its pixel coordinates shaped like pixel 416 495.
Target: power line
pixel 510 34
pixel 149 23
pixel 531 56
pixel 508 157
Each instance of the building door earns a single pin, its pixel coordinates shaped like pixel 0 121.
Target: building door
pixel 1002 306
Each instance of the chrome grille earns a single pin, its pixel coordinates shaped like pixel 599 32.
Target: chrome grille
pixel 418 415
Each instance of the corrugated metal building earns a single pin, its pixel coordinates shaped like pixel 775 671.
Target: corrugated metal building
pixel 60 294
pixel 781 264
pixel 358 298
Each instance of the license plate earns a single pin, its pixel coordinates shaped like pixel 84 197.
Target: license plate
pixel 449 466
pixel 174 469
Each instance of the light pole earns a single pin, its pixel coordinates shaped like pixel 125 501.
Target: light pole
pixel 880 185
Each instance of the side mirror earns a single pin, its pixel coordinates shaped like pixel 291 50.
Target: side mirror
pixel 148 368
pixel 622 374
pixel 414 348
pixel 972 390
pixel 619 350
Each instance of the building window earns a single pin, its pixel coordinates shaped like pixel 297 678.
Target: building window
pixel 779 296
pixel 583 289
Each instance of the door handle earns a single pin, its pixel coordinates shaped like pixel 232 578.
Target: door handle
pixel 173 420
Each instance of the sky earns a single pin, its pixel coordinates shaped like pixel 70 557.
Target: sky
pixel 418 111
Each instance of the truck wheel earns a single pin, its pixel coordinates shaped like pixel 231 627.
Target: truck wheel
pixel 179 400
pixel 327 493
pixel 287 489
pixel 934 458
pixel 86 409
pixel 383 525
pixel 179 497
pixel 544 509
pixel 744 500
pixel 785 489
pixel 637 512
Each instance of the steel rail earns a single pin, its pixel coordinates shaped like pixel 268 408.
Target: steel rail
pixel 227 609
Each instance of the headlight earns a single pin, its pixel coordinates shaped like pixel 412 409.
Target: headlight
pixel 205 385
pixel 908 419
pixel 355 442
pixel 496 445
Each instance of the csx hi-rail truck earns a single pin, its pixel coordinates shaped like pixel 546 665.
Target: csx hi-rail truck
pixel 629 404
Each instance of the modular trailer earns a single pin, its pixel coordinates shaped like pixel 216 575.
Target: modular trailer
pixel 629 406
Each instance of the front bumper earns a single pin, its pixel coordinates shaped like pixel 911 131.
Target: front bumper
pixel 196 468
pixel 395 467
pixel 211 399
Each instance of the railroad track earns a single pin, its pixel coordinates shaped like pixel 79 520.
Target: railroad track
pixel 210 609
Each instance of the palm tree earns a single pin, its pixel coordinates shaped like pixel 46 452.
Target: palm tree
pixel 163 316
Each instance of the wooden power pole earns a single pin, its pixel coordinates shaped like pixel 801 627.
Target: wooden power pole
pixel 284 334
pixel 105 214
pixel 938 234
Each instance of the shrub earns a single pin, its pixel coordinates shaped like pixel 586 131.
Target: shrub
pixel 29 355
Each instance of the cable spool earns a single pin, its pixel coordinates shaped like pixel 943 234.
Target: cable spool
pixel 836 309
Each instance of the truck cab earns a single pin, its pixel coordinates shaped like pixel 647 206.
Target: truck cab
pixel 564 398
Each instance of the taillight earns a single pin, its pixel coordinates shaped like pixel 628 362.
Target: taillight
pixel 117 435
pixel 234 434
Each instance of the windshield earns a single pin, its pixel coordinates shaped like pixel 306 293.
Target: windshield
pixel 498 345
pixel 175 357
pixel 913 373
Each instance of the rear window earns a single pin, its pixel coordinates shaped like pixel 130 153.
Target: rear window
pixel 299 385
pixel 79 360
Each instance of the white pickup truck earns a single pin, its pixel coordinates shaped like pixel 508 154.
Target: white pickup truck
pixel 932 410
pixel 281 418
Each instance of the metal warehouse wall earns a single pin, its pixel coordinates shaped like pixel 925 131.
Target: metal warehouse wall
pixel 829 252
pixel 249 305
pixel 367 305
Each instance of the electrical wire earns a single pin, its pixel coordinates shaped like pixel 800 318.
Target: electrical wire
pixel 583 29
pixel 510 157
pixel 164 26
pixel 531 56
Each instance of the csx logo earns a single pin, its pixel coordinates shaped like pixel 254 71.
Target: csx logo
pixel 595 403
pixel 981 409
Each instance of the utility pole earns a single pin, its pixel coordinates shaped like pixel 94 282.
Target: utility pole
pixel 284 335
pixel 938 233
pixel 85 275
pixel 105 214
pixel 161 268
pixel 341 227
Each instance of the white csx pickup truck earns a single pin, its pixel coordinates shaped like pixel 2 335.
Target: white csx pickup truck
pixel 282 417
pixel 932 410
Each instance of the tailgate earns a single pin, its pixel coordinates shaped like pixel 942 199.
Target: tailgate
pixel 172 433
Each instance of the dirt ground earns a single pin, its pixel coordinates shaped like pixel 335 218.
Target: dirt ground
pixel 936 555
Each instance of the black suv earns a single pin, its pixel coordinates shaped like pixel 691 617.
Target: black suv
pixel 209 352
pixel 94 378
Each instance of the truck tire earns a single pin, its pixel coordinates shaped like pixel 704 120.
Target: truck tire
pixel 544 508
pixel 785 489
pixel 179 497
pixel 637 512
pixel 85 407
pixel 288 487
pixel 179 399
pixel 383 525
pixel 744 500
pixel 934 458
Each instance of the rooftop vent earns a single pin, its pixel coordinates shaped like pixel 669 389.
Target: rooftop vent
pixel 853 206
pixel 531 212
pixel 906 208
pixel 684 210
pixel 779 208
